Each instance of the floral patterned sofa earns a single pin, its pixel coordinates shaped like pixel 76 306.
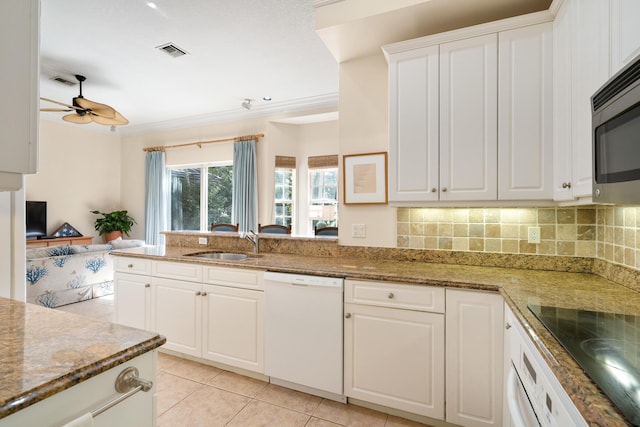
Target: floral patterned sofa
pixel 60 275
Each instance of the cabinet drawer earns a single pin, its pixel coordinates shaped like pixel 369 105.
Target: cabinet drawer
pixel 132 265
pixel 236 277
pixel 398 295
pixel 177 270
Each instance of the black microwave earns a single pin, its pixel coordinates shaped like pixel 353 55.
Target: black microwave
pixel 616 138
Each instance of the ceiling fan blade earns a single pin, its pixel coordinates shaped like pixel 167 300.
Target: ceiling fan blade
pixel 77 118
pixel 99 109
pixel 56 109
pixel 119 119
pixel 73 107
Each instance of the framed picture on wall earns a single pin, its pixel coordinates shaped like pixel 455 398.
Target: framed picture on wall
pixel 365 178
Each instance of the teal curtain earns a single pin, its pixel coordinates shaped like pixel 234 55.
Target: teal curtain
pixel 244 209
pixel 155 212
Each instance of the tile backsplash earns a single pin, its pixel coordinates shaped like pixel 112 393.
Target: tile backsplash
pixel 605 232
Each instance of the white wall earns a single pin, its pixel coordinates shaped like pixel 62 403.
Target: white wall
pixel 363 128
pixel 79 171
pixel 279 139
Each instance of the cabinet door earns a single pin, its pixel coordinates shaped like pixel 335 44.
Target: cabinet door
pixel 468 119
pixel 132 300
pixel 177 314
pixel 395 358
pixel 413 125
pixel 19 120
pixel 589 70
pixel 625 32
pixel 233 327
pixel 525 127
pixel 474 348
pixel 562 153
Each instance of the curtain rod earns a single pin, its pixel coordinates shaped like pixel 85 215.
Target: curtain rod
pixel 199 144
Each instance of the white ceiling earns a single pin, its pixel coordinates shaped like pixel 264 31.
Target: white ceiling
pixel 237 49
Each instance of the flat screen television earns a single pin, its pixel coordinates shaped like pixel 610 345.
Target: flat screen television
pixel 36 219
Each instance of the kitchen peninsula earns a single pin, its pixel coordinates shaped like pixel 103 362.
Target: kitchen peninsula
pixel 56 366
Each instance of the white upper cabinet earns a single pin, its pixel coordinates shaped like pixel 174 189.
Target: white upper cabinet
pixel 470 113
pixel 582 66
pixel 625 32
pixel 468 119
pixel 562 161
pixel 414 133
pixel 19 115
pixel 589 70
pixel 525 113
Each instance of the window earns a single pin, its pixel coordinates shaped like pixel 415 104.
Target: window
pixel 200 195
pixel 285 172
pixel 283 210
pixel 323 191
pixel 323 201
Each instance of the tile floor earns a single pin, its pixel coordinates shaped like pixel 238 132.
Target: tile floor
pixel 192 394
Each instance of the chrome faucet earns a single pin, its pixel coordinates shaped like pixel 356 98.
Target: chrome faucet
pixel 252 236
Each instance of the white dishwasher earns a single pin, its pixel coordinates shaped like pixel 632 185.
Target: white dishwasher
pixel 303 333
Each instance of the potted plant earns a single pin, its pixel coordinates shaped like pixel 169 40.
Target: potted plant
pixel 113 224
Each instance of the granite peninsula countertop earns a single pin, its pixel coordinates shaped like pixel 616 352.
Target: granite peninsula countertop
pixel 518 286
pixel 45 351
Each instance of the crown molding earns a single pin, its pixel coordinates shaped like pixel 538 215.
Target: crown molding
pixel 273 108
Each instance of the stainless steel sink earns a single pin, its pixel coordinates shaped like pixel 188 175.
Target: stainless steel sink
pixel 230 256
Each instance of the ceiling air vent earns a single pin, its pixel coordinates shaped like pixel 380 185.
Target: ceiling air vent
pixel 63 80
pixel 172 50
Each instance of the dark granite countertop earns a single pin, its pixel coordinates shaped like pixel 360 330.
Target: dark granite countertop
pixel 518 286
pixel 46 351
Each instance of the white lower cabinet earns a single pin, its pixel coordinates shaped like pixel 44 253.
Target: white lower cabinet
pixel 233 327
pixel 394 356
pixel 177 307
pixel 219 320
pixel 132 294
pixel 474 348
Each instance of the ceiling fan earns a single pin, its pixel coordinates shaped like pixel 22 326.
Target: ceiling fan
pixel 87 111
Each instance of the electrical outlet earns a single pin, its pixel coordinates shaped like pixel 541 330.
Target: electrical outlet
pixel 357 230
pixel 534 235
pixel 202 240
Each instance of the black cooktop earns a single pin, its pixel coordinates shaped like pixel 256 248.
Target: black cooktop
pixel 606 346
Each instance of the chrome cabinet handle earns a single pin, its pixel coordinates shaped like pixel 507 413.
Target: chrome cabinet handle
pixel 390 296
pixel 348 315
pixel 444 190
pixel 566 185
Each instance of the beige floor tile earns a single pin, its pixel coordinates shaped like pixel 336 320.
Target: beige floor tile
pixel 188 369
pixel 290 399
pixel 349 415
pixel 262 414
pixel 172 389
pixel 317 422
pixel 393 421
pixel 206 407
pixel 233 382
